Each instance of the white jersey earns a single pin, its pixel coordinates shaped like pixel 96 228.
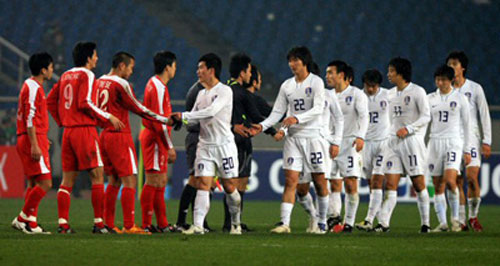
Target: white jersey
pixel 410 109
pixel 213 109
pixel 333 119
pixel 354 105
pixel 305 101
pixel 378 107
pixel 478 109
pixel 449 112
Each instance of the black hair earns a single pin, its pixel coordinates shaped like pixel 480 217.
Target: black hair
pixel 445 71
pixel 212 61
pixel 315 69
pixel 341 67
pixel 402 66
pixel 82 51
pixel 303 54
pixel 162 59
pixel 349 74
pixel 39 61
pixel 255 74
pixel 239 62
pixel 121 57
pixel 461 57
pixel 372 77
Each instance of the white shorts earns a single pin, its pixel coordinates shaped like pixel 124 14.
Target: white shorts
pixel 217 160
pixel 406 156
pixel 373 158
pixel 445 153
pixel 475 152
pixel 307 155
pixel 348 163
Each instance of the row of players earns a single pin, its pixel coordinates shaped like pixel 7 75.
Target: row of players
pixel 305 144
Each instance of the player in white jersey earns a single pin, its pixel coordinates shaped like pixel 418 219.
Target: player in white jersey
pixel 405 152
pixel 373 152
pixel 449 112
pixel 216 153
pixel 347 166
pixel 302 99
pixel 480 122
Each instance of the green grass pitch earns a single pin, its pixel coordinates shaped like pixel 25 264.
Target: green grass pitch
pixel 402 246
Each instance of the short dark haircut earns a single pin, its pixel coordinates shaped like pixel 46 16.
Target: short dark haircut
pixel 315 69
pixel 239 62
pixel 82 51
pixel 162 59
pixel 341 67
pixel 445 71
pixel 461 57
pixel 402 66
pixel 212 61
pixel 349 74
pixel 303 54
pixel 255 74
pixel 121 57
pixel 39 61
pixel 372 77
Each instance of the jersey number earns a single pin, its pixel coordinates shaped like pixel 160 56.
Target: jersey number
pixel 373 117
pixel 443 116
pixel 298 104
pixel 228 163
pixel 350 162
pixel 379 160
pixel 451 156
pixel 68 96
pixel 316 158
pixel 102 99
pixel 413 160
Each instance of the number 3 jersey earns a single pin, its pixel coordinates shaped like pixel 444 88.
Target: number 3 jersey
pixel 449 112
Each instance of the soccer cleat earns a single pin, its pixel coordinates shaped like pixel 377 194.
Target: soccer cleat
pixel 320 229
pixel 476 226
pixel 18 225
pixel 364 226
pixel 313 226
pixel 152 229
pixel 281 229
pixel 440 228
pixel 347 228
pixel 244 228
pixel 425 229
pixel 65 229
pixel 455 226
pixel 194 230
pixel 35 230
pixel 235 230
pixel 333 221
pixel 380 229
pixel 135 230
pixel 178 228
pixel 115 230
pixel 226 229
pixel 464 227
pixel 100 230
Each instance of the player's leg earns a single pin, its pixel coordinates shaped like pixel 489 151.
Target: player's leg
pixel 64 201
pixel 201 205
pixel 351 202
pixel 160 207
pixel 335 202
pixel 321 186
pixel 110 197
pixel 440 203
pixel 187 197
pixel 463 202
pixel 128 206
pixel 474 197
pixel 147 198
pixel 98 195
pixel 287 201
pixel 26 221
pixel 450 177
pixel 375 204
pixel 423 202
pixel 306 201
pixel 391 186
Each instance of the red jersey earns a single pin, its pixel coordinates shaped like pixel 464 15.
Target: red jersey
pixel 71 100
pixel 116 97
pixel 32 108
pixel 157 99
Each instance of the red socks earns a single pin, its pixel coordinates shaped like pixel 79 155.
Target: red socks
pixel 63 203
pixel 160 207
pixel 33 199
pixel 110 205
pixel 98 204
pixel 147 200
pixel 128 206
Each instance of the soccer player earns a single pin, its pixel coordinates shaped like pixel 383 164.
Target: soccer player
pixel 156 150
pixel 479 112
pixel 449 112
pixel 347 165
pixel 378 131
pixel 406 152
pixel 117 97
pixel 32 142
pixel 302 99
pixel 71 102
pixel 216 150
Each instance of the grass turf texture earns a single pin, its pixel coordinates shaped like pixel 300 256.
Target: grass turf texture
pixel 402 246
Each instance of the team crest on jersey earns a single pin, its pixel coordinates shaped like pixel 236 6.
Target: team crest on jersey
pixel 431 167
pixel 468 94
pixel 348 100
pixel 308 91
pixel 407 100
pixel 200 166
pixel 389 165
pixel 383 105
pixel 214 97
pixel 289 160
pixel 453 105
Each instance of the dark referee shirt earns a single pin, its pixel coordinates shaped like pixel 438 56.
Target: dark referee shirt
pixel 265 110
pixel 190 100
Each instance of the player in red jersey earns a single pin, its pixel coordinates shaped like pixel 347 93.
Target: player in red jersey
pixel 115 96
pixel 71 103
pixel 157 150
pixel 32 142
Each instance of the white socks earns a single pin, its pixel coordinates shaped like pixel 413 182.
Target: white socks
pixel 335 204
pixel 387 207
pixel 374 205
pixel 423 204
pixel 461 214
pixel 201 207
pixel 286 212
pixel 323 208
pixel 233 201
pixel 440 208
pixel 351 207
pixel 474 207
pixel 307 203
pixel 454 201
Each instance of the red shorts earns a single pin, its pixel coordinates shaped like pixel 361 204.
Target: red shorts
pixel 118 153
pixel 33 168
pixel 80 149
pixel 154 152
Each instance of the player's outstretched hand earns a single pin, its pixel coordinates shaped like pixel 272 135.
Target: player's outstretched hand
pixel 486 150
pixel 334 151
pixel 36 153
pixel 291 120
pixel 467 158
pixel 358 143
pixel 117 124
pixel 241 130
pixel 279 135
pixel 402 133
pixel 255 129
pixel 172 155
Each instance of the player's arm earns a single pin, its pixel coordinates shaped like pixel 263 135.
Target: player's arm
pixel 52 103
pixel 279 110
pixel 363 115
pixel 424 112
pixel 484 116
pixel 338 122
pixel 224 98
pixel 250 107
pixel 29 114
pixel 318 88
pixel 132 104
pixel 465 122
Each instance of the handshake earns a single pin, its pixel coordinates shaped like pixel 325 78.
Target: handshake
pixel 175 120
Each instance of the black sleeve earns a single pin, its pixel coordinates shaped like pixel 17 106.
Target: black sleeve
pixel 250 107
pixel 190 100
pixel 264 108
